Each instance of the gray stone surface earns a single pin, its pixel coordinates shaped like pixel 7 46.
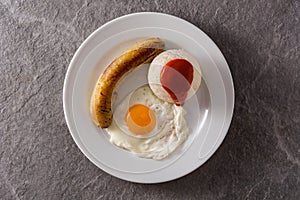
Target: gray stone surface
pixel 260 157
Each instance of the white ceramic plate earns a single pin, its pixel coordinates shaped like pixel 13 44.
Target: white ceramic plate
pixel 209 112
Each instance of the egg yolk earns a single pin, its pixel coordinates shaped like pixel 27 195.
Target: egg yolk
pixel 140 119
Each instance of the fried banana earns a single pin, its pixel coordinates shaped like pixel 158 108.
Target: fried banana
pixel 101 103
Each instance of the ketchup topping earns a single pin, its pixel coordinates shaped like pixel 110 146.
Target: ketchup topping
pixel 176 78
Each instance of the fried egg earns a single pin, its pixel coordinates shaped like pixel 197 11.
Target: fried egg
pixel 148 126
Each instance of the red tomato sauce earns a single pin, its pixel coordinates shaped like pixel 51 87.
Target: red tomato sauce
pixel 176 78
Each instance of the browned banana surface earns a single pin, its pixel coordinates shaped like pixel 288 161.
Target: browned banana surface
pixel 142 52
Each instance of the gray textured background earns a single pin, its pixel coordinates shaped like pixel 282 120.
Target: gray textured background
pixel 260 157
